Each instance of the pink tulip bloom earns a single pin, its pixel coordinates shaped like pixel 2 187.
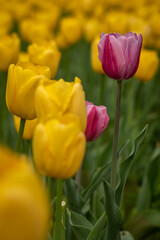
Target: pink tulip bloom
pixel 97 120
pixel 119 54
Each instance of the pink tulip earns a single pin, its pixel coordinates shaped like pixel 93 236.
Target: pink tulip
pixel 97 120
pixel 119 54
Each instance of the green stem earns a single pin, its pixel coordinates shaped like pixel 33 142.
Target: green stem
pixel 58 217
pixel 101 93
pixel 115 140
pixel 20 135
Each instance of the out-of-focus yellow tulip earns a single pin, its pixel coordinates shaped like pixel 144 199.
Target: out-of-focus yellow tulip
pixel 24 209
pixel 95 62
pixel 28 128
pixel 59 147
pixel 148 65
pixel 23 57
pixel 9 50
pixel 23 80
pixel 32 31
pixel 154 22
pixel 71 29
pixel 5 22
pixel 92 27
pixel 59 98
pixel 45 54
pixel 117 22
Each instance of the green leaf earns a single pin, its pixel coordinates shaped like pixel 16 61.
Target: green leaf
pixel 125 235
pixel 96 231
pixel 73 197
pixel 144 224
pixel 49 237
pixel 126 165
pixel 113 213
pixel 146 191
pixel 97 179
pixel 80 225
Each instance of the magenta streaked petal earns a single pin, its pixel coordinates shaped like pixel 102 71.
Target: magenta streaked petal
pixel 113 62
pixel 101 46
pixel 116 35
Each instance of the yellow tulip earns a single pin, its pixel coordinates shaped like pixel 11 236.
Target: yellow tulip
pixel 59 147
pixel 23 79
pixel 5 22
pixel 95 62
pixel 23 57
pixel 92 28
pixel 45 54
pixel 59 98
pixel 32 30
pixel 71 29
pixel 148 65
pixel 24 207
pixel 9 50
pixel 28 129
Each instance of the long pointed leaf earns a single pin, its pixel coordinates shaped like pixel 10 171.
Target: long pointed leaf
pixel 96 232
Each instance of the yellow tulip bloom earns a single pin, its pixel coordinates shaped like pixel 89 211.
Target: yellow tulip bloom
pixel 24 207
pixel 28 128
pixel 9 50
pixel 45 54
pixel 23 79
pixel 59 147
pixel 148 65
pixel 95 62
pixel 59 98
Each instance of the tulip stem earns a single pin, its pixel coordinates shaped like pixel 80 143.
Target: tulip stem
pixel 101 93
pixel 20 135
pixel 115 139
pixel 58 216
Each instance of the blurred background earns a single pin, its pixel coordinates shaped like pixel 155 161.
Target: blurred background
pixel 75 27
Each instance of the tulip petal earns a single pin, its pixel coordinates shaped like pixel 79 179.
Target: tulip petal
pixel 113 59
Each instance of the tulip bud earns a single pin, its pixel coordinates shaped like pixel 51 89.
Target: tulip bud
pixel 59 147
pixel 97 121
pixel 23 80
pixel 148 65
pixel 28 128
pixel 24 208
pixel 96 64
pixel 119 54
pixel 9 50
pixel 45 54
pixel 59 98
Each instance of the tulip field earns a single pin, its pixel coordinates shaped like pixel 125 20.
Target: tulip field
pixel 79 120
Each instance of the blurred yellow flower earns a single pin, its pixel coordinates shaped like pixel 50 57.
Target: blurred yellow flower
pixel 9 50
pixel 59 147
pixel 92 27
pixel 23 56
pixel 23 79
pixel 148 65
pixel 24 209
pixel 45 53
pixel 32 30
pixel 95 62
pixel 71 29
pixel 59 98
pixel 28 128
pixel 154 22
pixel 5 22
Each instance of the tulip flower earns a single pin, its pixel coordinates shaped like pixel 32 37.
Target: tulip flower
pixel 28 129
pixel 71 29
pixel 24 208
pixel 45 53
pixel 59 98
pixel 59 146
pixel 96 64
pixel 119 54
pixel 9 50
pixel 148 65
pixel 97 121
pixel 23 80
